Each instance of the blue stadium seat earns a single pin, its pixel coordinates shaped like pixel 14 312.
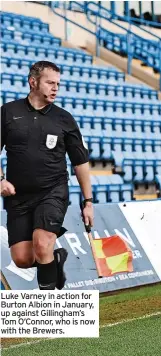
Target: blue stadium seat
pixel 79 59
pixel 148 146
pixel 138 128
pixel 115 179
pixel 138 171
pixel 10 53
pixel 24 69
pixel 118 128
pixel 118 158
pixel 157 146
pixel 89 110
pixel 26 24
pixel 129 93
pixel 88 59
pixel 6 20
pixel 101 89
pixel 37 39
pixel 157 128
pixel 50 54
pixel 6 81
pixel 126 192
pixel 74 191
pixel 158 167
pixel 103 179
pixel 97 123
pixel 48 41
pixel 128 170
pixel 82 88
pixel 114 193
pixel 79 105
pixel 86 132
pixel 94 181
pixel 158 180
pixel 70 57
pixel 9 96
pixel 101 194
pixel 21 51
pixel 108 125
pixel 118 144
pixel 7 35
pixel 41 53
pixel 128 125
pixel 44 27
pixel 20 95
pixel 103 76
pixel 149 171
pixel 98 132
pixel 17 23
pixel 106 149
pixel 18 84
pixel 147 126
pixel 86 122
pixel 36 27
pixel 94 74
pixel 99 111
pixel 138 146
pixel 94 148
pixel 111 188
pixel 14 65
pixel 85 74
pixel 75 73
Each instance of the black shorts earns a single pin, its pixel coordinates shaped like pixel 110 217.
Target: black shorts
pixel 45 210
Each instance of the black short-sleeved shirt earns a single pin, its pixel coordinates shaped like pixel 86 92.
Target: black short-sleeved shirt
pixel 36 142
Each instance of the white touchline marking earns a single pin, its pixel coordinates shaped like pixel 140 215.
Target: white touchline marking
pixel 24 344
pixel 146 316
pixel 123 321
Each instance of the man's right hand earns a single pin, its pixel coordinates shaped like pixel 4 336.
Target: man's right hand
pixel 7 188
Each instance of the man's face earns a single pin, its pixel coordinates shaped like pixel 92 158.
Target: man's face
pixel 47 85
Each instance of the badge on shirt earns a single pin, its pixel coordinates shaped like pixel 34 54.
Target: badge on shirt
pixel 51 141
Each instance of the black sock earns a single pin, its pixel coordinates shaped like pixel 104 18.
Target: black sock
pixel 47 275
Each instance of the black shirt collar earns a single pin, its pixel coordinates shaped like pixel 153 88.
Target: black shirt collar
pixel 43 111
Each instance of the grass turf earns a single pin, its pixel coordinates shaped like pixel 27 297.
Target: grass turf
pixel 139 337
pixel 124 305
pixel 130 304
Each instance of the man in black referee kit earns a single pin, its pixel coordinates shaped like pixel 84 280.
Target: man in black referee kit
pixel 37 134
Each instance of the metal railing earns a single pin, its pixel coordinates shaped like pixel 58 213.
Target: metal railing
pixel 95 13
pixel 81 6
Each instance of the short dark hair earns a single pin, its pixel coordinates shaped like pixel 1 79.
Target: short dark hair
pixel 38 67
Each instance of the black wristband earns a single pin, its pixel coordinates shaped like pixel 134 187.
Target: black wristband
pixel 2 177
pixel 83 203
pixel 86 200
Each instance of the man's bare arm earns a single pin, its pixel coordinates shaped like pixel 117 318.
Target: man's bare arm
pixel 83 175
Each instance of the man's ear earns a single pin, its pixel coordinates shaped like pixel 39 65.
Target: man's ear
pixel 32 82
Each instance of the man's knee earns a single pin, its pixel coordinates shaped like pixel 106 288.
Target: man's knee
pixel 43 241
pixel 22 254
pixel 23 262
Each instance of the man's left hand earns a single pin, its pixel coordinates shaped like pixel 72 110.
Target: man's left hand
pixel 88 214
